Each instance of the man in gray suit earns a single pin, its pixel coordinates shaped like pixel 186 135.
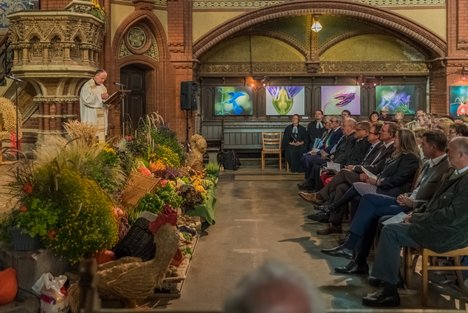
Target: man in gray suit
pixel 441 226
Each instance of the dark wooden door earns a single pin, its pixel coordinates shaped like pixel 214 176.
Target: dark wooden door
pixel 135 103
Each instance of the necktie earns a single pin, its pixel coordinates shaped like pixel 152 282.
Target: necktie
pixel 336 146
pixel 318 125
pixel 368 153
pixel 423 175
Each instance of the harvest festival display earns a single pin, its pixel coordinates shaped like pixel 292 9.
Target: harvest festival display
pixel 137 206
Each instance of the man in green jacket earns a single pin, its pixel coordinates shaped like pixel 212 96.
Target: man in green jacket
pixel 442 226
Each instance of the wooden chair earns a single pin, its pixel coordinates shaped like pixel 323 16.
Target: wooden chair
pixel 271 144
pixel 410 260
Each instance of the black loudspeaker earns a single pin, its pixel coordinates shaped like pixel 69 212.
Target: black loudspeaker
pixel 188 95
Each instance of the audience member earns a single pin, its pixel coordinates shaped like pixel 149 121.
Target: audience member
pixel 312 156
pixel 374 117
pixel 441 226
pixel 338 154
pixel 399 118
pixel 443 124
pixel 315 130
pixel 457 130
pixel 295 143
pixel 274 288
pixel 345 114
pixel 384 115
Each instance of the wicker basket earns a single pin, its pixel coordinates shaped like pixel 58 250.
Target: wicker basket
pixel 137 187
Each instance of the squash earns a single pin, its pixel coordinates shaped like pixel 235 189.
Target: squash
pixel 8 285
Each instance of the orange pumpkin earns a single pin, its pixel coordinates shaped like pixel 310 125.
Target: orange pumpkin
pixel 104 256
pixel 8 285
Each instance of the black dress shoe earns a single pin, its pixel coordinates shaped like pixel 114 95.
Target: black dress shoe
pixel 324 208
pixel 380 299
pixel 375 282
pixel 353 269
pixel 330 230
pixel 304 185
pixel 319 217
pixel 339 251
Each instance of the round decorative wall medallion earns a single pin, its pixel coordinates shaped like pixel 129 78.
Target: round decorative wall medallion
pixel 138 39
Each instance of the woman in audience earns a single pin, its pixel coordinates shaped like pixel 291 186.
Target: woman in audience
pixel 374 117
pixel 443 124
pixel 399 118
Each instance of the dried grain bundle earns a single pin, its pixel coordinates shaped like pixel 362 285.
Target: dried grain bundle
pixel 8 119
pixel 81 131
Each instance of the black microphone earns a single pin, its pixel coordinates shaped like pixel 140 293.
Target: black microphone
pixel 13 77
pixel 119 84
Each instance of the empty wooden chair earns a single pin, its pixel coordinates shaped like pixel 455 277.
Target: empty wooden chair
pixel 271 145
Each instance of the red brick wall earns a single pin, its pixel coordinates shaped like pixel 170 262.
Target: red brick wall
pixel 53 4
pixel 180 49
pixel 457 45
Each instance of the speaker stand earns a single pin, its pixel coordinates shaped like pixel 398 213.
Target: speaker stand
pixel 187 131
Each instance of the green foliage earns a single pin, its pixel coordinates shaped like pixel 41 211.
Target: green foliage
pixel 165 137
pixel 69 212
pixel 166 155
pixel 169 195
pixel 85 223
pixel 137 147
pixel 212 169
pixel 37 216
pixel 150 202
pixel 7 220
pixel 105 170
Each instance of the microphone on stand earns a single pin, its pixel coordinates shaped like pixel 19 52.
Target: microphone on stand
pixel 119 84
pixel 13 77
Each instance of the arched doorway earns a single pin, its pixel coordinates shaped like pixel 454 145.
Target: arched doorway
pixel 134 76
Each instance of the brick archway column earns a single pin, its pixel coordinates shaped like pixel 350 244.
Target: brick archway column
pixel 180 49
pixel 448 71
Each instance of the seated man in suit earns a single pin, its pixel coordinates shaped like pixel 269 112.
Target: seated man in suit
pixel 374 206
pixel 442 226
pixel 316 129
pixel 329 143
pixel 373 162
pixel 338 154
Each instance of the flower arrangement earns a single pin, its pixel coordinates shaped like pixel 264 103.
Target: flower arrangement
pixel 65 195
pixel 67 211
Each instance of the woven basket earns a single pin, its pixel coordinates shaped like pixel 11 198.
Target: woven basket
pixel 138 186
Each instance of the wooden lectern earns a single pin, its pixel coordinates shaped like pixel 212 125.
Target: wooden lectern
pixel 117 100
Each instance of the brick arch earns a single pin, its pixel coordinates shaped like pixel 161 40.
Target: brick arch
pixel 153 24
pixel 157 98
pixel 394 23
